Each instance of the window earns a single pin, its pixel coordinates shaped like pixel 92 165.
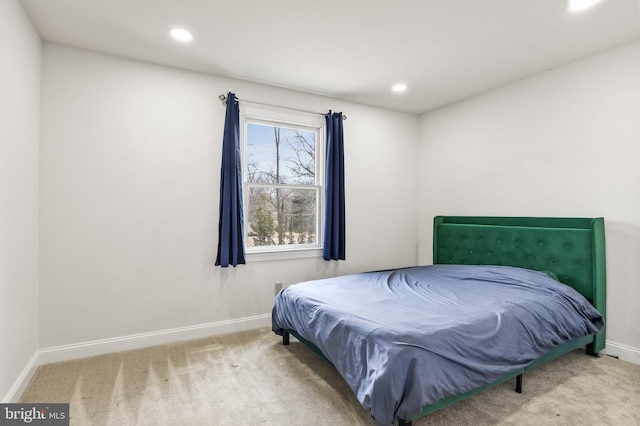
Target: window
pixel 283 182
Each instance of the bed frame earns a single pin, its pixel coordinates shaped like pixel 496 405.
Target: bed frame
pixel 571 249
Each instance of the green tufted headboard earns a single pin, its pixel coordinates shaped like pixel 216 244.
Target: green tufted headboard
pixel 572 248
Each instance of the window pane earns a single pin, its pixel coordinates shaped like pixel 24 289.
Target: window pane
pixel 282 216
pixel 280 155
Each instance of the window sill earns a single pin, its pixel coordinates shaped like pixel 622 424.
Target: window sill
pixel 264 256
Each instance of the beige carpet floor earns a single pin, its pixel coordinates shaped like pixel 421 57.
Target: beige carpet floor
pixel 250 378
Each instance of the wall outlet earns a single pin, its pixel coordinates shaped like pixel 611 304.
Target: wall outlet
pixel 277 287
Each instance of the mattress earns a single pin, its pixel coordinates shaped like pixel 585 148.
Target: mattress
pixel 409 337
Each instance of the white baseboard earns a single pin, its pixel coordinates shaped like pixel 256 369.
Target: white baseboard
pixel 23 380
pixel 142 340
pixel 623 352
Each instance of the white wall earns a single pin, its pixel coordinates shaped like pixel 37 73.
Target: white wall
pixel 563 143
pixel 130 165
pixel 19 132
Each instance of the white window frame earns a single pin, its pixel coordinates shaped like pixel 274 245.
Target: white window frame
pixel 277 117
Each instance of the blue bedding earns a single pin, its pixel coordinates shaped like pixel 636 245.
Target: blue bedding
pixel 409 337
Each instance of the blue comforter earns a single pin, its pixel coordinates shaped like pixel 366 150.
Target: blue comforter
pixel 409 337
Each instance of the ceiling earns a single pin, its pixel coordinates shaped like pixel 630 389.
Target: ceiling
pixel 444 50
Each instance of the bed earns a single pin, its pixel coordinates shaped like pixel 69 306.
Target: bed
pixel 504 295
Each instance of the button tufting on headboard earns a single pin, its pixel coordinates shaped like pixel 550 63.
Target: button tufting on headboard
pixel 564 251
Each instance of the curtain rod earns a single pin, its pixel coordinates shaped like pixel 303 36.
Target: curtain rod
pixel 223 98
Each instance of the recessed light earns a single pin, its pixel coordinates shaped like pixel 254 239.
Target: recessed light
pixel 181 34
pixel 577 5
pixel 400 87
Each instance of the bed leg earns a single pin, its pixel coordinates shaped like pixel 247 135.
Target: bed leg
pixel 404 422
pixel 590 350
pixel 285 338
pixel 519 383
